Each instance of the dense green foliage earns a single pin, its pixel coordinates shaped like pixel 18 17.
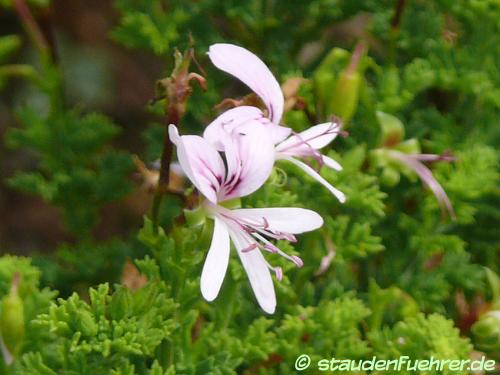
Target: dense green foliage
pixel 397 274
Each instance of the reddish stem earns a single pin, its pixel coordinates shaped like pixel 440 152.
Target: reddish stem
pixel 32 27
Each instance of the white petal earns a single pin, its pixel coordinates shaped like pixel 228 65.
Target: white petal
pixel 278 133
pixel 250 157
pixel 284 219
pixel 216 262
pixel 249 69
pixel 258 273
pixel 315 137
pixel 329 162
pixel 311 172
pixel 242 120
pixel 200 161
pixel 228 121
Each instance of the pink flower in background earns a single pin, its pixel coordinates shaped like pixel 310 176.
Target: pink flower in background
pixel 414 162
pixel 248 68
pixel 249 161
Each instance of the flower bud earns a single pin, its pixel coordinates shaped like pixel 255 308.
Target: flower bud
pixel 325 77
pixel 344 101
pixel 392 129
pixel 12 318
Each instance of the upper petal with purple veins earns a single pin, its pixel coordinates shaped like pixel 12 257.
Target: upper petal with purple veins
pixel 249 157
pixel 250 160
pixel 249 69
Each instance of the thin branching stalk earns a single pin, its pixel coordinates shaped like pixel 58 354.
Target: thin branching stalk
pixel 176 89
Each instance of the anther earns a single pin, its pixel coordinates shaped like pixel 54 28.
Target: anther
pixel 298 262
pixel 271 248
pixel 287 236
pixel 249 248
pixel 279 273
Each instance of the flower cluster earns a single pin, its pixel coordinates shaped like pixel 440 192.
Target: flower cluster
pixel 233 159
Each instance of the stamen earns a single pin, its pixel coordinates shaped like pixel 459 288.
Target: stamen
pixel 287 236
pixel 315 154
pixel 252 227
pixel 271 248
pixel 251 230
pixel 332 129
pixel 343 133
pixel 249 248
pixel 279 273
pixel 446 156
pixel 303 148
pixel 298 262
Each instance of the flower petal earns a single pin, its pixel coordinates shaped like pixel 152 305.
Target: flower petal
pixel 412 161
pixel 250 159
pixel 249 69
pixel 242 120
pixel 228 121
pixel 329 162
pixel 216 262
pixel 315 137
pixel 283 219
pixel 311 172
pixel 276 133
pixel 258 273
pixel 200 161
pixel 279 133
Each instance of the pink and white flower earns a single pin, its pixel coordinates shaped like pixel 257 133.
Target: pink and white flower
pixel 249 69
pixel 249 161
